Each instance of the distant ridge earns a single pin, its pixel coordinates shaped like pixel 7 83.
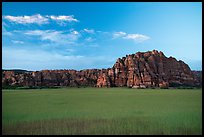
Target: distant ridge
pixel 140 70
pixel 16 70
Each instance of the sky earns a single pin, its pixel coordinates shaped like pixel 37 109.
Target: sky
pixel 88 35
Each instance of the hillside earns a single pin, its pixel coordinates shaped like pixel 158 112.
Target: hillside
pixel 139 70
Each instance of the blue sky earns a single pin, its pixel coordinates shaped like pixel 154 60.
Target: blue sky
pixel 81 35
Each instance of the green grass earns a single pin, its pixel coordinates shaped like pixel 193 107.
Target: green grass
pixel 102 111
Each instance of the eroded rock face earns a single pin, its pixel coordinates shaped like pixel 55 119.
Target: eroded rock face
pixel 103 81
pixel 140 70
pixel 197 75
pixel 71 78
pixel 150 69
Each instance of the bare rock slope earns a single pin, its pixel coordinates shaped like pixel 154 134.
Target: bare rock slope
pixel 139 70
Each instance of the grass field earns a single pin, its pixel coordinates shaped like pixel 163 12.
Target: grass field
pixel 102 111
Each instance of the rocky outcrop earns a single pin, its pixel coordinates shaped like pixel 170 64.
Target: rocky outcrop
pixel 50 78
pixel 103 81
pixel 197 75
pixel 149 69
pixel 140 70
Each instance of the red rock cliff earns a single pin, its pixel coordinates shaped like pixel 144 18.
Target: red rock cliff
pixel 143 69
pixel 149 69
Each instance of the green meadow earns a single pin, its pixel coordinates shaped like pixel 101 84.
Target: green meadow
pixel 102 111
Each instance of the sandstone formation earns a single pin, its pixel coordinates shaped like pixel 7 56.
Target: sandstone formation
pixel 150 69
pixel 50 78
pixel 197 75
pixel 140 70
